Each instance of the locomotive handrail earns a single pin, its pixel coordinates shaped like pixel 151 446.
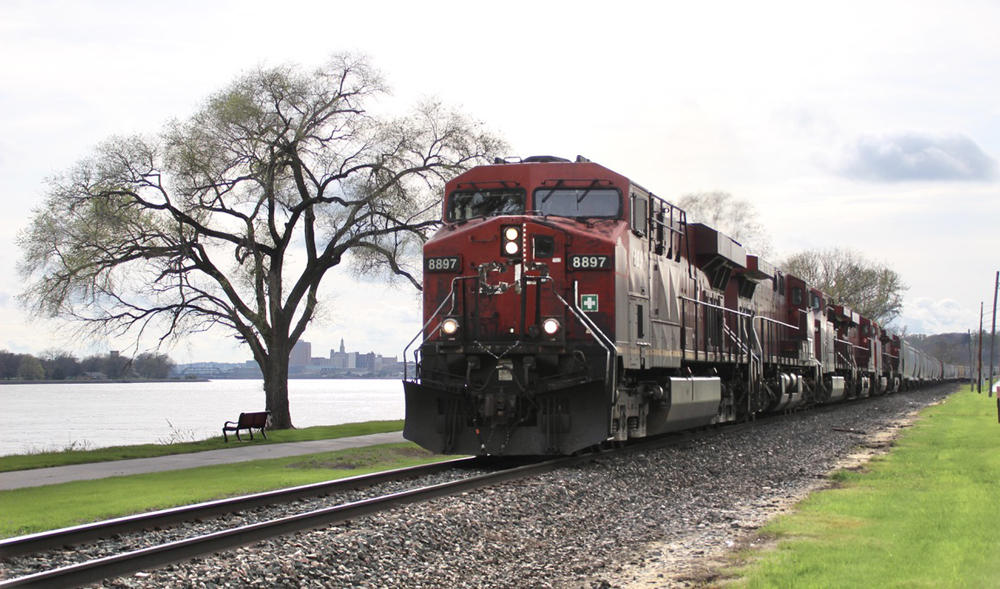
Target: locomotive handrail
pixel 735 312
pixel 851 344
pixel 781 323
pixel 756 364
pixel 753 317
pixel 451 295
pixel 743 314
pixel 739 338
pixel 762 319
pixel 608 345
pixel 756 338
pixel 739 313
pixel 848 359
pixel 714 306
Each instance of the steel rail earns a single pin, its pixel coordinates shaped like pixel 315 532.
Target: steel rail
pixel 32 543
pixel 158 556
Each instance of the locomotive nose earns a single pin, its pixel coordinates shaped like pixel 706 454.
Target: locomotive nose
pixel 508 366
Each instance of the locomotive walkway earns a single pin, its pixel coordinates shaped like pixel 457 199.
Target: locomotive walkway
pixel 99 470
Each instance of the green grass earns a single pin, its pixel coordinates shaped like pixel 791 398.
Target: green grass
pixel 64 458
pixel 925 515
pixel 29 510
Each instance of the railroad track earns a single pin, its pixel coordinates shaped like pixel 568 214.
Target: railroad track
pixel 125 525
pixel 159 555
pixel 162 554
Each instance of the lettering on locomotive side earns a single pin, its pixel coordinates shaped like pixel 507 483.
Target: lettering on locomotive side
pixel 639 259
pixel 589 262
pixel 442 264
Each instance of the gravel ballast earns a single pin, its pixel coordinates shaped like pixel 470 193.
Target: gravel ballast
pixel 659 518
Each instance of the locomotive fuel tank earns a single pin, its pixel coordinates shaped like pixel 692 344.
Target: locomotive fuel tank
pixel 688 402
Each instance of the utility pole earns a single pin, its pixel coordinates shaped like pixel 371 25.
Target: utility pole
pixel 993 334
pixel 979 363
pixel 972 385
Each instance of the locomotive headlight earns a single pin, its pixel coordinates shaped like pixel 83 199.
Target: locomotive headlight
pixel 449 326
pixel 550 326
pixel 511 240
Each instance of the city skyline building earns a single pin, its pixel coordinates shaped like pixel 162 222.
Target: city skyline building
pixel 339 361
pixel 301 354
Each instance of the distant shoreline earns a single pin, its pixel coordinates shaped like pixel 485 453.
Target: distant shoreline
pixel 181 380
pixel 104 381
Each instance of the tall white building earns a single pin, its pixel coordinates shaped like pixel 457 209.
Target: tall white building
pixel 301 354
pixel 343 359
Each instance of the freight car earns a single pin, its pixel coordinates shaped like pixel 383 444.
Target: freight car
pixel 566 307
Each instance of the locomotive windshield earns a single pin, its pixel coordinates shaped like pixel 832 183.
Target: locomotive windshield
pixel 579 202
pixel 469 204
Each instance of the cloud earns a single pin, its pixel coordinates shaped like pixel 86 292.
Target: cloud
pixel 917 156
pixel 930 316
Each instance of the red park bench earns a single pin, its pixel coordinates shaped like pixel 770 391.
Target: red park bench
pixel 249 422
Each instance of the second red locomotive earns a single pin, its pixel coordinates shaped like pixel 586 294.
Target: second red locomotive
pixel 566 306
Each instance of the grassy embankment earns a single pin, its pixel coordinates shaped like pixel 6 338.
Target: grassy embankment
pixel 35 509
pixel 924 515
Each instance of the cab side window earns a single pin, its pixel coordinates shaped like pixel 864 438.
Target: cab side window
pixel 640 214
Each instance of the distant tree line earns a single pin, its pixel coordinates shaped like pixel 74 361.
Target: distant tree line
pixel 64 366
pixel 951 348
pixel 959 348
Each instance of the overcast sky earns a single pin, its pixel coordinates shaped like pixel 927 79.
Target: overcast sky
pixel 869 124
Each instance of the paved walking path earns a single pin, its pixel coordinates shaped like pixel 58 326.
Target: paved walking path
pixel 243 453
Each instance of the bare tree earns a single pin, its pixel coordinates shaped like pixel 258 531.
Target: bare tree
pixel 732 216
pixel 874 290
pixel 233 217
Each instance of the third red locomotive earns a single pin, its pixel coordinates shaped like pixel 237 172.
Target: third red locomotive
pixel 565 307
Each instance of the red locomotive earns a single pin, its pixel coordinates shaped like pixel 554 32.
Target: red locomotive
pixel 566 307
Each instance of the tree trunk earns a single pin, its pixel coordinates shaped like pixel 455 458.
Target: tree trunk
pixel 276 391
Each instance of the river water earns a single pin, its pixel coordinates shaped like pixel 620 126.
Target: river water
pixel 39 417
